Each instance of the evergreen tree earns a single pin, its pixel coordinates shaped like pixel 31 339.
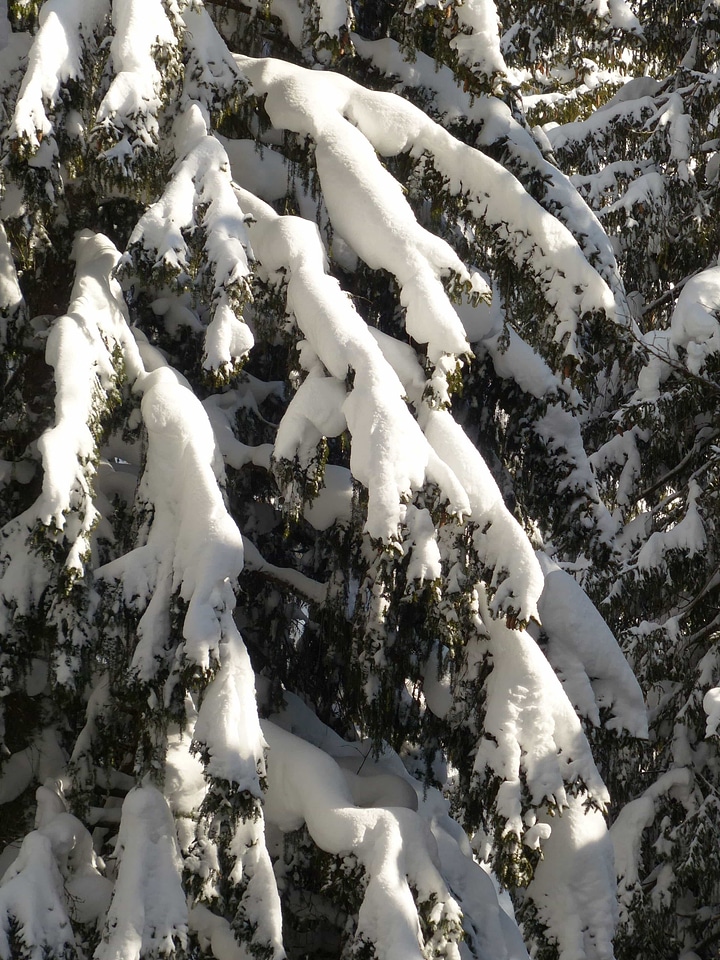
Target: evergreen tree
pixel 647 163
pixel 325 368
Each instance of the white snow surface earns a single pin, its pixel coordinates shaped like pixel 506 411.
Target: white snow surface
pixel 626 832
pixel 617 12
pixel 349 124
pixel 227 727
pixel 389 454
pixel 201 180
pixel 315 411
pixel 637 107
pixel 365 203
pixel 80 341
pixel 496 124
pixel 500 126
pixel 305 785
pixel 687 535
pixel 334 501
pixel 312 780
pixel 711 706
pixel 186 785
pixel 662 354
pixel 210 70
pixel 695 325
pixel 221 409
pixel 586 655
pixel 86 890
pixel 54 877
pixel 574 884
pixel 148 910
pixel 450 101
pixel 673 115
pixel 622 17
pixel 648 189
pixel 227 340
pixel 634 89
pixel 499 538
pixel 54 58
pixel 134 97
pixel 478 45
pixel 10 294
pixel 425 560
pixel 31 892
pixel 214 933
pixel 531 728
pixel 333 16
pixel 181 485
pixel 259 169
pixel 77 343
pixel 515 359
pixel 622 448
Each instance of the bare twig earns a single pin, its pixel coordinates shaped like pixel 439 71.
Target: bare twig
pixel 697 448
pixel 669 294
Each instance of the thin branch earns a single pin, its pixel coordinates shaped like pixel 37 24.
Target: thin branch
pixel 697 448
pixel 710 584
pixel 669 294
pixel 704 631
pixel 676 365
